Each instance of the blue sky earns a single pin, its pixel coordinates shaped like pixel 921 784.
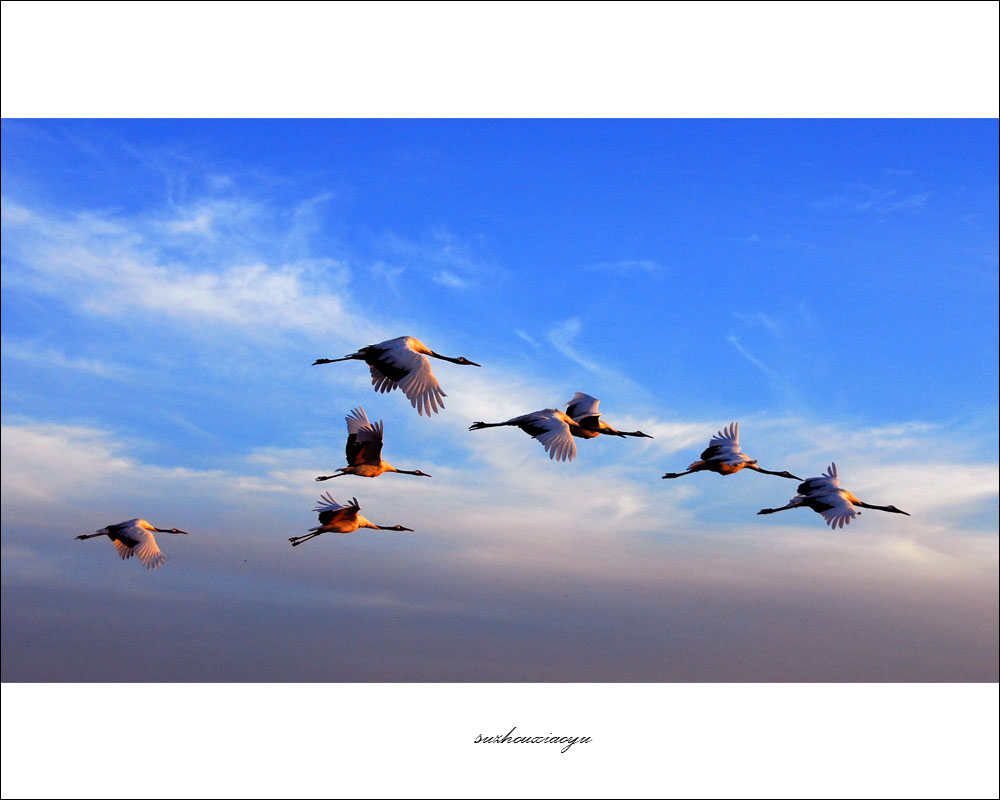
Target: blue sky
pixel 830 284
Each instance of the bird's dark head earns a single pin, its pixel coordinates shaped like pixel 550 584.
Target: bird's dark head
pixel 895 510
pixel 464 360
pixel 787 474
pixel 171 530
pixel 400 528
pixel 421 474
pixel 644 435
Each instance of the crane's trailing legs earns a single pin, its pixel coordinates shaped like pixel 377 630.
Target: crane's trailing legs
pixel 793 504
pixel 327 477
pixel 297 540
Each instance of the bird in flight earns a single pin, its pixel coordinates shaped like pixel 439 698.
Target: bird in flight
pixel 723 455
pixel 335 518
pixel 403 363
pixel 364 450
pixel 134 537
pixel 552 428
pixel 582 409
pixel 824 496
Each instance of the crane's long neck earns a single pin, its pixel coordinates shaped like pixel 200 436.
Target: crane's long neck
pixel 91 535
pixel 891 509
pixel 782 474
pixel 404 471
pixel 634 433
pixel 460 360
pixel 606 431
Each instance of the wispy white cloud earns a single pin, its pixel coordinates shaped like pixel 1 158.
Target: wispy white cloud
pixel 562 337
pixel 389 274
pixel 527 337
pixel 495 514
pixel 123 266
pixel 449 280
pixel 759 318
pixel 515 534
pixel 911 201
pixel 743 351
pixel 52 358
pixel 875 199
pixel 627 266
pixel 443 256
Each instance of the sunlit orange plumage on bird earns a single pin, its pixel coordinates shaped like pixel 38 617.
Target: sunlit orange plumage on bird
pixel 335 518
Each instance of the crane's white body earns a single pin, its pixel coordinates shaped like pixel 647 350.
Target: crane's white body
pixel 337 518
pixel 582 409
pixel 364 449
pixel 549 426
pixel 725 450
pixel 836 505
pixel 418 382
pixel 402 363
pixel 724 456
pixel 368 437
pixel 134 537
pixel 824 496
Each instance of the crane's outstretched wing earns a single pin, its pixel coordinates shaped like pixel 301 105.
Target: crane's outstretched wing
pixel 364 439
pixel 400 366
pixel 727 436
pixel 583 409
pixel 380 382
pixel 725 446
pixel 841 510
pixel 139 542
pixel 827 482
pixel 551 431
pixel 330 510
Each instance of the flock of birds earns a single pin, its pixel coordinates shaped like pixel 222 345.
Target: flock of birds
pixel 402 363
